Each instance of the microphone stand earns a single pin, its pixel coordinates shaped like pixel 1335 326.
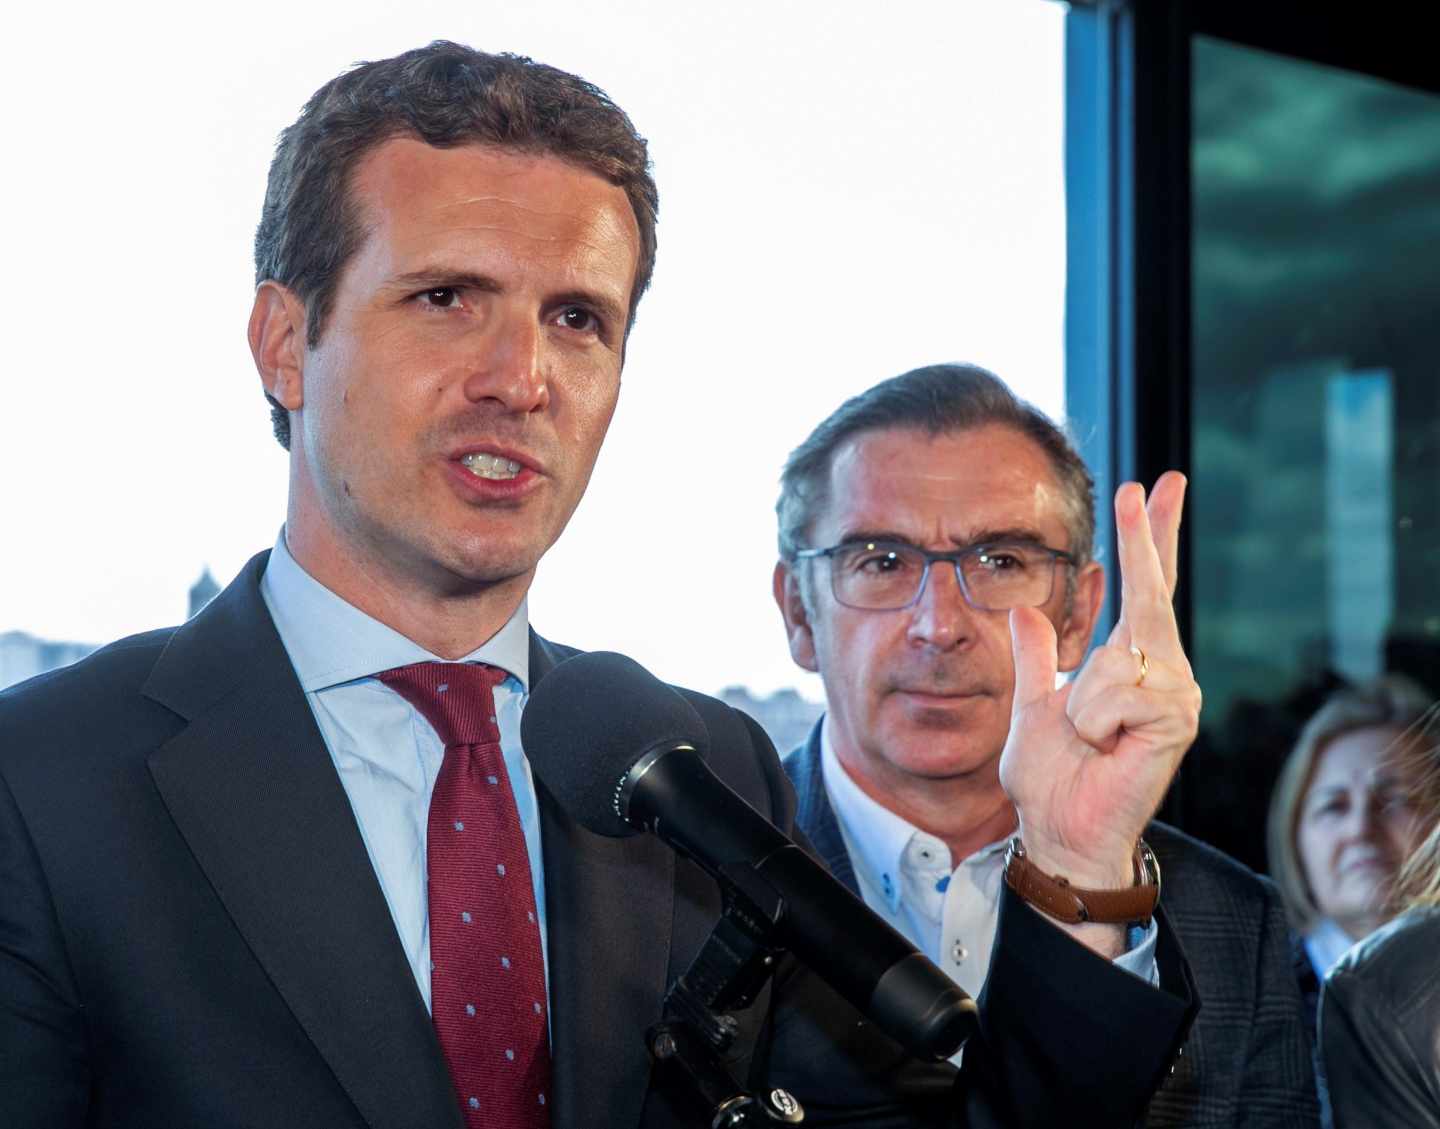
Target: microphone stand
pixel 731 968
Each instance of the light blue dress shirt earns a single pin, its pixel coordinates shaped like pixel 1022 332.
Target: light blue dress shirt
pixel 1325 944
pixel 947 910
pixel 386 753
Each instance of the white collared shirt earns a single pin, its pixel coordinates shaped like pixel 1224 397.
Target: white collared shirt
pixel 948 910
pixel 386 753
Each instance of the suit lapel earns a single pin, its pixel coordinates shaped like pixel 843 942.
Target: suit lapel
pixel 609 905
pixel 813 813
pixel 253 791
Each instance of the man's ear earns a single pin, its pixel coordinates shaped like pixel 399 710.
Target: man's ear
pixel 786 587
pixel 1073 638
pixel 277 342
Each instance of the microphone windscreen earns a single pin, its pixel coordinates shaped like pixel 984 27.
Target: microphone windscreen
pixel 589 720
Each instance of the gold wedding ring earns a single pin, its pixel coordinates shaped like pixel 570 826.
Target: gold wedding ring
pixel 1144 664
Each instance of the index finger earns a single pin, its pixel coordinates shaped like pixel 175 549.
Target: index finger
pixel 1145 607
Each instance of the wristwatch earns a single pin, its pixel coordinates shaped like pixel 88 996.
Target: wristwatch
pixel 1056 898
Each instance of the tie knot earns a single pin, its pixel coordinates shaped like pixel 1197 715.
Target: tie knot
pixel 457 699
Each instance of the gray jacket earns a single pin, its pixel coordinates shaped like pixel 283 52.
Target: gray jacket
pixel 1380 1027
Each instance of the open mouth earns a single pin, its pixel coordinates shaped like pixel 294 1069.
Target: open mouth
pixel 494 467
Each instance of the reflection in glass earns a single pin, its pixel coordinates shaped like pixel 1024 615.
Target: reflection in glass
pixel 1316 446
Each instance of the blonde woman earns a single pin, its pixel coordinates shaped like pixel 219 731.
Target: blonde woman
pixel 1344 816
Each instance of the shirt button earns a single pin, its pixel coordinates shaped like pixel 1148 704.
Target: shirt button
pixel 958 953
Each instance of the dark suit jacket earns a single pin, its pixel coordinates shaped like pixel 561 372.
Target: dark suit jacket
pixel 191 934
pixel 1380 1026
pixel 1248 1059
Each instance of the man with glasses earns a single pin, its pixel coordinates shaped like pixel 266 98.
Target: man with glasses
pixel 936 570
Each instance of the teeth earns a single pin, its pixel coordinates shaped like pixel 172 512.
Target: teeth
pixel 490 466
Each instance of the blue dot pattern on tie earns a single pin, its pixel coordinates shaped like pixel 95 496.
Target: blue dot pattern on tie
pixel 474 1103
pixel 510 1054
pixel 504 962
pixel 537 1007
pixel 500 869
pixel 492 779
pixel 469 1009
pixel 465 916
pixel 459 826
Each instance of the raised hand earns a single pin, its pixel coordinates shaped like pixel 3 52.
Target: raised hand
pixel 1087 765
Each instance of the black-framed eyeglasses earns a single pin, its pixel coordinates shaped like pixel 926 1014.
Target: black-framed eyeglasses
pixel 889 575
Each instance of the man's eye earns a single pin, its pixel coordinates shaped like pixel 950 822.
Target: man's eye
pixel 881 562
pixel 1002 561
pixel 442 297
pixel 579 319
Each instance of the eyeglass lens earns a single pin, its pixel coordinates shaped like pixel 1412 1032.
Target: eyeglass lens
pixel 994 577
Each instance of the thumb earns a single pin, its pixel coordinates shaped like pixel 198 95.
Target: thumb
pixel 1032 641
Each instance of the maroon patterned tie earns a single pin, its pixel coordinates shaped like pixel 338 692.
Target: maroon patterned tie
pixel 487 971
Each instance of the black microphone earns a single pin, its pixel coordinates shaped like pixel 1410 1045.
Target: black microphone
pixel 622 752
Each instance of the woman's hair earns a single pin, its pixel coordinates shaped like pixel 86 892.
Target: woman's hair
pixel 1419 880
pixel 1391 701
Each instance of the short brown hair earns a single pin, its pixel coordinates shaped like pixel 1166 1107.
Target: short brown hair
pixel 935 400
pixel 445 94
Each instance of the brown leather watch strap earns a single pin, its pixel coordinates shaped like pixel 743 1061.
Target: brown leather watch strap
pixel 1073 905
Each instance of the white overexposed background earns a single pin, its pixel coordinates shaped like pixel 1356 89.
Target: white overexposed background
pixel 847 191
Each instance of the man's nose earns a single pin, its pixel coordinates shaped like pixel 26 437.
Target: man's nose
pixel 942 617
pixel 508 367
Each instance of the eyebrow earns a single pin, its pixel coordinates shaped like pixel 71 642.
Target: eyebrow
pixel 436 277
pixel 1023 534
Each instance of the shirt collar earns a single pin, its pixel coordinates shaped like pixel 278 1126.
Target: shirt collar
pixel 331 641
pixel 877 836
pixel 1326 944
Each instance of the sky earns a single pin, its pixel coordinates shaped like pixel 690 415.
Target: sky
pixel 847 191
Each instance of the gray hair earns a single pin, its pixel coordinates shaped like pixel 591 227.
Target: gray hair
pixel 445 94
pixel 935 400
pixel 1391 701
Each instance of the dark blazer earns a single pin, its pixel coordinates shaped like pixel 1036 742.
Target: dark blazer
pixel 1248 1059
pixel 1380 1026
pixel 191 934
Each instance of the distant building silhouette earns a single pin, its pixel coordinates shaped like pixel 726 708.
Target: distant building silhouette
pixel 784 715
pixel 202 592
pixel 23 656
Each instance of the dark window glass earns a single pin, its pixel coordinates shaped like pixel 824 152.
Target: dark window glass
pixel 1316 446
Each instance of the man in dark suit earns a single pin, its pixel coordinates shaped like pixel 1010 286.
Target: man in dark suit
pixel 245 861
pixel 913 521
